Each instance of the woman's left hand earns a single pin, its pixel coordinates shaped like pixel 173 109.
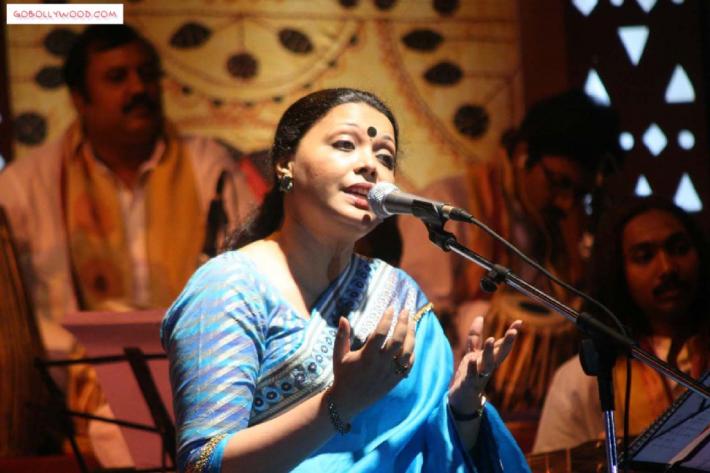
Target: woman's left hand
pixel 481 358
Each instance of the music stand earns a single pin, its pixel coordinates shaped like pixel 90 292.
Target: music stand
pixel 679 440
pixel 132 369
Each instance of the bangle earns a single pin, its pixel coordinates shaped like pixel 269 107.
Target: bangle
pixel 341 426
pixel 466 417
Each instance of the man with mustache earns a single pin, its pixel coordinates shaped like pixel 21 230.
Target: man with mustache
pixel 112 215
pixel 649 266
pixel 532 194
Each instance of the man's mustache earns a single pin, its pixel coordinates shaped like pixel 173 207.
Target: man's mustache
pixel 671 282
pixel 141 100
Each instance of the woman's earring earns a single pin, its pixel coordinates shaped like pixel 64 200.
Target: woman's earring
pixel 285 183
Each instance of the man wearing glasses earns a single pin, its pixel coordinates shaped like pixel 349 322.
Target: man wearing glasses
pixel 534 193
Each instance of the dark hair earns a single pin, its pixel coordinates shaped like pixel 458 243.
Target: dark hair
pixel 572 125
pixel 98 38
pixel 607 277
pixel 294 124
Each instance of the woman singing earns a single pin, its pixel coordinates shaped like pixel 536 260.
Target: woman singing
pixel 293 353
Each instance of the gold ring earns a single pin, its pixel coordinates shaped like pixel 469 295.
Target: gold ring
pixel 400 368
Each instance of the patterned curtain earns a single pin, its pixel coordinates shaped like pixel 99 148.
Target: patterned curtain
pixel 450 69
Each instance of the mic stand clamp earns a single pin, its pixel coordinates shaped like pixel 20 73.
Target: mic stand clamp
pixel 435 225
pixel 495 276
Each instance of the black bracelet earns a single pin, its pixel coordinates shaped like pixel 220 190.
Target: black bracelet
pixel 341 426
pixel 466 417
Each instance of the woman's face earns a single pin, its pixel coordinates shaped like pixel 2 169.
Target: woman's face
pixel 337 162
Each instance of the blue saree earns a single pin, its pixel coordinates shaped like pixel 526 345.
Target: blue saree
pixel 240 354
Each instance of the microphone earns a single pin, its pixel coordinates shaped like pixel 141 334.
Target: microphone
pixel 385 199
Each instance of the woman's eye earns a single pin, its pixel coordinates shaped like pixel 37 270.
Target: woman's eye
pixel 344 145
pixel 387 160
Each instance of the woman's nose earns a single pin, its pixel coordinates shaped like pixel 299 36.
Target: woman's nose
pixel 367 166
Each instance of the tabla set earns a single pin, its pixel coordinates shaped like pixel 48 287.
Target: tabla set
pixel 546 340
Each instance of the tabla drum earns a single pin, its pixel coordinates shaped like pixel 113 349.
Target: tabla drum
pixel 546 340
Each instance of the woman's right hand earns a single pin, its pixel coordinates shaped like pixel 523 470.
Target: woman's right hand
pixel 363 376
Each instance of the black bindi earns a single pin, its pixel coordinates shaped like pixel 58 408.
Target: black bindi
pixel 371 131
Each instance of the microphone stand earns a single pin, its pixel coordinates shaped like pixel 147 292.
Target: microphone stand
pixel 597 359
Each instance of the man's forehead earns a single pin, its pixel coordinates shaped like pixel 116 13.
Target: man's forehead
pixel 125 55
pixel 655 226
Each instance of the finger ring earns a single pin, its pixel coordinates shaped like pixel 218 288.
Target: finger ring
pixel 483 375
pixel 400 368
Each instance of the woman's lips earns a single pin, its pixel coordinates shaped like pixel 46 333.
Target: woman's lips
pixel 358 200
pixel 358 195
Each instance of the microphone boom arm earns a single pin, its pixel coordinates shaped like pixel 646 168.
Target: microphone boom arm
pixel 599 332
pixel 586 322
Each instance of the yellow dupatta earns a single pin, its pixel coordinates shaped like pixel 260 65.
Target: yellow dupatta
pixel 99 252
pixel 651 392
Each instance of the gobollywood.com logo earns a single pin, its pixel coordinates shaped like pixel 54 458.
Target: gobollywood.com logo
pixel 65 14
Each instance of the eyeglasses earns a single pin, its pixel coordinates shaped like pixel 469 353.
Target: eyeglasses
pixel 563 185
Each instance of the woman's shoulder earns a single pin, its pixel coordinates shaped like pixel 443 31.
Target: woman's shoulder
pixel 228 266
pixel 218 286
pixel 229 275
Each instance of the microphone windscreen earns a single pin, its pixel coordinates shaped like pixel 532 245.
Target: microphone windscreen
pixel 376 198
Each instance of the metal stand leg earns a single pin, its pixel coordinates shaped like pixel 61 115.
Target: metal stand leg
pixel 598 360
